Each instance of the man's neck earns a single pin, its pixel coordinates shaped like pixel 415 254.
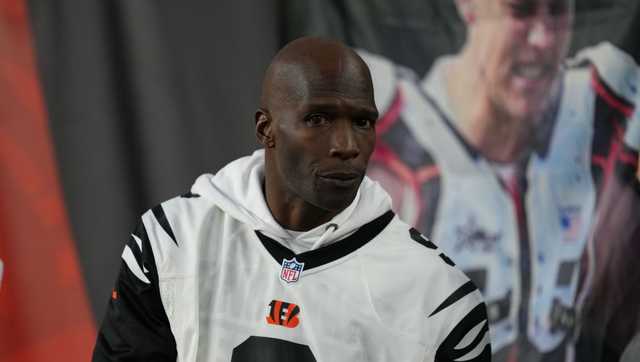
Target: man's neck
pixel 496 135
pixel 293 213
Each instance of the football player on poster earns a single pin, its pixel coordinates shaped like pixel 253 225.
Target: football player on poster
pixel 500 152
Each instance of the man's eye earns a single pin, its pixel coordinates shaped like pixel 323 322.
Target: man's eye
pixel 522 9
pixel 317 120
pixel 364 123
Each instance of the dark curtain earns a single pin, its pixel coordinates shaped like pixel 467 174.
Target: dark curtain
pixel 143 96
pixel 409 32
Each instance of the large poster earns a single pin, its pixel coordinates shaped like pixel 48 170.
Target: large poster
pixel 516 152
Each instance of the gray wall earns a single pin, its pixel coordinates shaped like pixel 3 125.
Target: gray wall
pixel 143 96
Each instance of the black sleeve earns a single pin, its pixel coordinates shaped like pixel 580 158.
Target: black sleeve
pixel 136 327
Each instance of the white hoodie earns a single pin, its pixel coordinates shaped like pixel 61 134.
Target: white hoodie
pixel 237 190
pixel 211 276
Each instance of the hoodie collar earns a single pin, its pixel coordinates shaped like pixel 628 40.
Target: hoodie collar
pixel 327 253
pixel 237 190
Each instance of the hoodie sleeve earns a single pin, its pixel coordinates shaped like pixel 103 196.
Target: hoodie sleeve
pixel 462 315
pixel 136 327
pixel 468 340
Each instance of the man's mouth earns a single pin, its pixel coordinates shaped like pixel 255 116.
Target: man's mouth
pixel 342 179
pixel 532 71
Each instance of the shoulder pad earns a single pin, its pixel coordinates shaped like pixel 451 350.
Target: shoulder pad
pixel 383 74
pixel 614 67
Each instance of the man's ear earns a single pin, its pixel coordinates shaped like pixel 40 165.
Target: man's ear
pixel 264 128
pixel 467 10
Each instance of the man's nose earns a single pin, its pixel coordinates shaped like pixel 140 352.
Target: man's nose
pixel 544 31
pixel 344 144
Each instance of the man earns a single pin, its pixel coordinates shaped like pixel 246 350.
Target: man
pixel 493 154
pixel 292 254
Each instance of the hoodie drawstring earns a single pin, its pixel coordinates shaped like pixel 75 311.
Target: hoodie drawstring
pixel 328 230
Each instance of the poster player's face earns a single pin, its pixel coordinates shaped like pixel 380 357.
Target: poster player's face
pixel 520 46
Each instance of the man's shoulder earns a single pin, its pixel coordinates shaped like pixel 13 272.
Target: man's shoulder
pixel 177 213
pixel 612 73
pixel 176 227
pixel 415 256
pixel 388 77
pixel 418 118
pixel 411 276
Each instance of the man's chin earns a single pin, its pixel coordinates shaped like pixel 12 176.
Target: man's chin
pixel 525 108
pixel 335 202
pixel 528 102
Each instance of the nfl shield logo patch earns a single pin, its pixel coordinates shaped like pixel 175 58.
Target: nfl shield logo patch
pixel 291 270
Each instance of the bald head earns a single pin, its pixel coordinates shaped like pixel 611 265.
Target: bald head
pixel 312 62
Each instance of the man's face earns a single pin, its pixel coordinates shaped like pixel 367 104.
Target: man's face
pixel 520 46
pixel 324 135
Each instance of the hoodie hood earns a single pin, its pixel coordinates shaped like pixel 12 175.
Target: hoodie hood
pixel 237 190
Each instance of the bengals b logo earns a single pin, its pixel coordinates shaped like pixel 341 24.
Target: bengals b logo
pixel 283 314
